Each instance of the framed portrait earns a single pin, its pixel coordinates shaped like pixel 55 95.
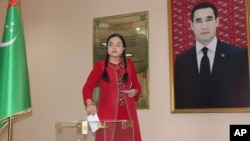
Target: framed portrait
pixel 225 33
pixel 134 28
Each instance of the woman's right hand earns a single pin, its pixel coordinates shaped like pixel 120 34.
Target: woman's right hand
pixel 91 109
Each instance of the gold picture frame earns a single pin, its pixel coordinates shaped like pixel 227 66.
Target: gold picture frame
pixel 134 28
pixel 181 36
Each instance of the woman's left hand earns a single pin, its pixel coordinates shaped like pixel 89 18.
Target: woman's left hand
pixel 131 93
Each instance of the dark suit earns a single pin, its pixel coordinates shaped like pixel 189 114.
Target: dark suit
pixel 229 82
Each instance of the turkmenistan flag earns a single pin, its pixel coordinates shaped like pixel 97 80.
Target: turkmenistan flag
pixel 14 80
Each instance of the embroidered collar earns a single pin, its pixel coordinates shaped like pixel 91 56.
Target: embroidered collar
pixel 117 66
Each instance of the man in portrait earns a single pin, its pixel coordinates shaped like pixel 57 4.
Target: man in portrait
pixel 213 73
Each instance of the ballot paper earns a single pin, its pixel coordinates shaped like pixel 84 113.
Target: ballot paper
pixel 94 122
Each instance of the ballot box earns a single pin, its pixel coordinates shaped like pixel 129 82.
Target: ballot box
pixel 115 130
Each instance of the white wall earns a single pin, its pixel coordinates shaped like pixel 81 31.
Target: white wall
pixel 59 49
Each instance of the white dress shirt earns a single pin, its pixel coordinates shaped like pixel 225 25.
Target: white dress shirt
pixel 210 52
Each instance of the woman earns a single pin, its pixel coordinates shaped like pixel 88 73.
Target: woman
pixel 119 87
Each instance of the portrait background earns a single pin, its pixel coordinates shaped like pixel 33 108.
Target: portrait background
pixel 232 28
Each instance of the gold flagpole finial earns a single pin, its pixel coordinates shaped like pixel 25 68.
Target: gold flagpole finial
pixel 13 3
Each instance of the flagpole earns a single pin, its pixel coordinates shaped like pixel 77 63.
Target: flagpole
pixel 10 129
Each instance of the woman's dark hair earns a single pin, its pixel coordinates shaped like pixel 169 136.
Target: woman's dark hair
pixel 203 5
pixel 105 76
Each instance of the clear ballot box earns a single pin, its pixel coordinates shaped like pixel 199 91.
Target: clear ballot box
pixel 118 130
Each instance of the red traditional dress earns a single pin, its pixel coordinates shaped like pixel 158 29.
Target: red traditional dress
pixel 113 104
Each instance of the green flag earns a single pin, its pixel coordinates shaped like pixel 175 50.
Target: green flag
pixel 14 81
